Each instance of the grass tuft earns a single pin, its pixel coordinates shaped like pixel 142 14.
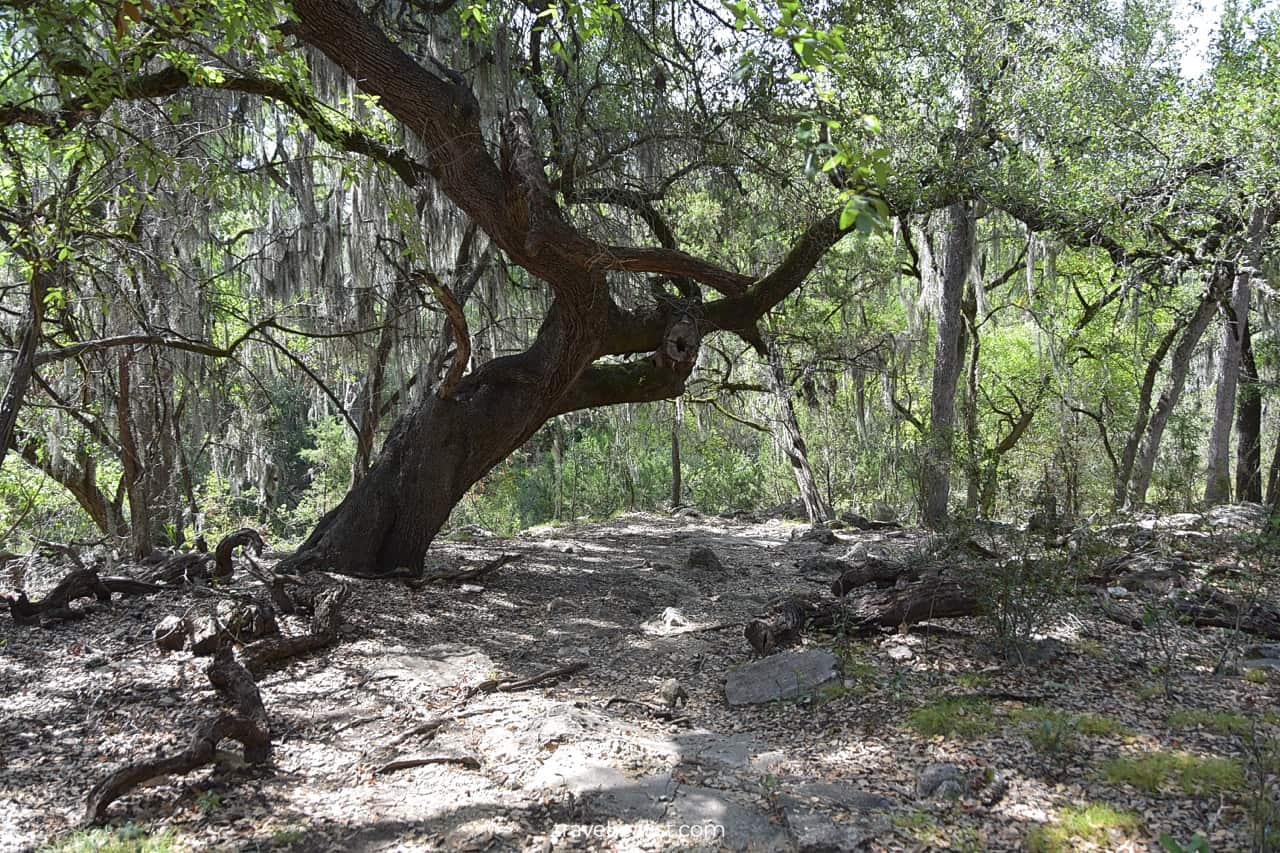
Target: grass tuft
pixel 1193 774
pixel 1092 823
pixel 963 718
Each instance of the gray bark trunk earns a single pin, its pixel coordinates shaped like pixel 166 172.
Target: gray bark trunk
pixel 792 442
pixel 1248 425
pixel 1217 487
pixel 935 477
pixel 1145 462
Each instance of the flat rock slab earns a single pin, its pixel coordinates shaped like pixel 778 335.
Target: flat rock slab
pixel 818 833
pixel 781 676
pixel 837 794
pixel 718 821
pixel 439 667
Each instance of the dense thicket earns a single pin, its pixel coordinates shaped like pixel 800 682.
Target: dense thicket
pixel 524 261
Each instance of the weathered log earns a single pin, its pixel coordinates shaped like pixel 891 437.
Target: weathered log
pixel 768 635
pixel 1209 607
pixel 246 724
pixel 873 572
pixel 929 597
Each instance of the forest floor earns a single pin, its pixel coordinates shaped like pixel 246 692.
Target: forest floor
pixel 1097 736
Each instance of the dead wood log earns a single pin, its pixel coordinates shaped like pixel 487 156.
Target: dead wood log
pixel 246 724
pixel 866 608
pixel 508 685
pixel 768 635
pixel 1212 608
pixel 874 572
pixel 929 597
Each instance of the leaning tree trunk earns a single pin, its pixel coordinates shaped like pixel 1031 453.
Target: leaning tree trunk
pixel 1145 462
pixel 24 364
pixel 1217 488
pixel 935 475
pixel 791 441
pixel 1129 455
pixel 1248 425
pixel 437 450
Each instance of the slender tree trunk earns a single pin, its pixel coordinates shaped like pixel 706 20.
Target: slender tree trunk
pixel 935 479
pixel 24 363
pixel 79 478
pixel 1217 488
pixel 1248 425
pixel 973 463
pixel 677 483
pixel 1145 462
pixel 792 441
pixel 135 480
pixel 1143 416
pixel 1273 477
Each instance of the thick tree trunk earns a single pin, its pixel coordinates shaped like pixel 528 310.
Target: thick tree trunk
pixel 1145 461
pixel 1217 488
pixel 791 441
pixel 1248 425
pixel 1273 477
pixel 935 476
pixel 972 464
pixel 134 477
pixel 436 451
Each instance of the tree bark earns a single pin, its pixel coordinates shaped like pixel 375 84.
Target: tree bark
pixel 677 479
pixel 1124 474
pixel 1217 487
pixel 24 363
pixel 1145 461
pixel 791 441
pixel 935 479
pixel 1248 425
pixel 437 450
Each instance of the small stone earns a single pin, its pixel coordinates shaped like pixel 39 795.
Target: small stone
pixel 702 557
pixel 900 653
pixel 171 634
pixel 940 782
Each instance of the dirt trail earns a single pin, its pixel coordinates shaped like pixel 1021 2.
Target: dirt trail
pixel 553 767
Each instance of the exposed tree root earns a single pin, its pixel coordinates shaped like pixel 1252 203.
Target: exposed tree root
pixel 200 565
pixel 79 583
pixel 246 724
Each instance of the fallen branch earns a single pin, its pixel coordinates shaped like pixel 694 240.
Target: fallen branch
pixel 464 575
pixel 433 725
pixel 1208 607
pixel 466 761
pixel 509 685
